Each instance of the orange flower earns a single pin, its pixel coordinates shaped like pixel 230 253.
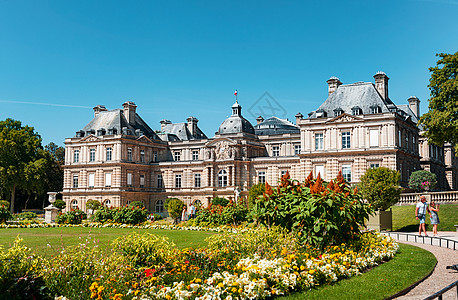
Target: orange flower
pixel 269 190
pixel 355 191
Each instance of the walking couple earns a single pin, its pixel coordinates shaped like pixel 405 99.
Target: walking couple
pixel 420 214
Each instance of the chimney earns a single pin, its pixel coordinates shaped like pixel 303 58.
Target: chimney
pixel 381 84
pixel 192 125
pixel 333 84
pixel 299 117
pixel 129 111
pixel 259 120
pixel 163 123
pixel 414 104
pixel 98 109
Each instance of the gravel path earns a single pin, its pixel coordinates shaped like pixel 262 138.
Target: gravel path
pixel 440 278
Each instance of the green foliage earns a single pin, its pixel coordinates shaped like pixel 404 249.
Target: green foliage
pixel 5 214
pixel 422 180
pixel 441 121
pixel 255 191
pixel 380 186
pixel 74 216
pixel 217 215
pixel 93 205
pixel 20 271
pixel 175 207
pixel 22 159
pixel 123 215
pixel 144 249
pixel 59 203
pixel 157 217
pixel 5 203
pixel 220 201
pixel 136 204
pixel 322 215
pixel 27 215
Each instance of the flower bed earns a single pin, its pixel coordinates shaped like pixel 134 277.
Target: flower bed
pixel 249 265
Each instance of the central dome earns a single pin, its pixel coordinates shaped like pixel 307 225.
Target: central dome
pixel 236 123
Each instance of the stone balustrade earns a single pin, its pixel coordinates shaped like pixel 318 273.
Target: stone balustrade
pixel 438 197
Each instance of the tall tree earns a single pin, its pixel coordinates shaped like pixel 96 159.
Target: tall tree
pixel 441 121
pixel 57 152
pixel 21 158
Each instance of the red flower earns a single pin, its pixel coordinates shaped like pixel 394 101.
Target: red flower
pixel 149 272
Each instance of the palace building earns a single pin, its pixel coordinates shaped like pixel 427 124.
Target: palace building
pixel 117 158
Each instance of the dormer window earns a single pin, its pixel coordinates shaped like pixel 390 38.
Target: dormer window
pixel 338 112
pixel 320 113
pixel 356 111
pixel 375 109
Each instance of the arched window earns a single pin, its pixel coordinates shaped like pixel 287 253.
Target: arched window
pixel 197 204
pixel 159 206
pixel 74 204
pixel 107 203
pixel 222 178
pixel 128 202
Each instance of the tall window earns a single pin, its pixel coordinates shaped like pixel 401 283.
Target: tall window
pixel 107 203
pixel 109 153
pixel 129 179
pixel 195 154
pixel 76 155
pixel 346 140
pixel 142 181
pixel 155 156
pixel 129 154
pixel 159 206
pixel 297 149
pixel 178 180
pixel 346 172
pixel 160 182
pixel 177 155
pixel 91 180
pixel 92 155
pixel 373 137
pixel 197 180
pixel 222 178
pixel 319 141
pixel 399 138
pixel 75 181
pixel 108 179
pixel 261 177
pixel 319 169
pixel 275 150
pixel 142 155
pixel 75 204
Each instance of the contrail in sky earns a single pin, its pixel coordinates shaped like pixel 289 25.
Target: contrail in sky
pixel 43 103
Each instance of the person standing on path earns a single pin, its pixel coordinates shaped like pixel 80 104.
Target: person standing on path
pixel 420 214
pixel 434 209
pixel 184 214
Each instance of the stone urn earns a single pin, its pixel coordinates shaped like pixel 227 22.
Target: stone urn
pixel 51 211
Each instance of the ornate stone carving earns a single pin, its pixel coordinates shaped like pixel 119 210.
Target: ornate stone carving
pixel 222 150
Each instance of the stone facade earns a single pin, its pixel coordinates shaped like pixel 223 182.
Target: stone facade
pixel 117 158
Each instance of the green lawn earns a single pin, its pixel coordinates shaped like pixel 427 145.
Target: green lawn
pixel 48 241
pixel 407 267
pixel 404 218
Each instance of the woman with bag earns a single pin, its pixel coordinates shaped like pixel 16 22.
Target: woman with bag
pixel 420 214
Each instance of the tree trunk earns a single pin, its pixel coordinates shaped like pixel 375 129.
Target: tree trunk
pixel 13 194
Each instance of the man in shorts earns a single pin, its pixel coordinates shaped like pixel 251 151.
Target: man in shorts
pixel 420 214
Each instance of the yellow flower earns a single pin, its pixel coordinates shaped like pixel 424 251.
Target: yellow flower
pixel 234 290
pixel 302 268
pixel 221 285
pixel 240 290
pixel 311 271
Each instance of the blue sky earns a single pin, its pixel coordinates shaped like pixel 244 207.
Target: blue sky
pixel 176 59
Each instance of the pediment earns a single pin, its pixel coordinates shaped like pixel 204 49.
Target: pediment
pixel 220 141
pixel 345 118
pixel 144 139
pixel 90 138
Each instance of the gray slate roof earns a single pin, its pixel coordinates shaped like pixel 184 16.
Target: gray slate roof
pixel 181 132
pixel 115 120
pixel 235 124
pixel 348 96
pixel 274 125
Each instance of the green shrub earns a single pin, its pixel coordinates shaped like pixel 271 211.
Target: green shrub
pixel 5 214
pixel 5 203
pixel 175 207
pixel 232 214
pixel 59 203
pixel 380 186
pixel 322 215
pixel 220 201
pixel 144 249
pixel 74 216
pixel 157 217
pixel 93 205
pixel 27 215
pixel 422 180
pixel 124 215
pixel 254 192
pixel 136 204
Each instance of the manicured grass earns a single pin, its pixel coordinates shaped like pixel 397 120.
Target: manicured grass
pixel 48 241
pixel 404 218
pixel 407 267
